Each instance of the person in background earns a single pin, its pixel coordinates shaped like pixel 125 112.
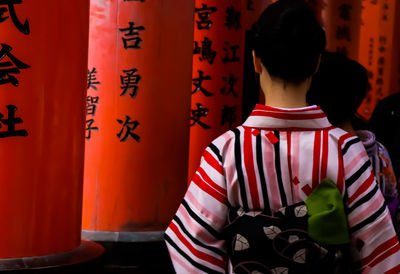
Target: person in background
pixel 281 153
pixel 339 87
pixel 385 123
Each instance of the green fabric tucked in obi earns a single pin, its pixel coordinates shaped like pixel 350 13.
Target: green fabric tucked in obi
pixel 327 222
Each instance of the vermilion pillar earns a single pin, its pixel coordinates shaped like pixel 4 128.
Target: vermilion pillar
pixel 395 78
pixel 43 53
pixel 218 61
pixel 379 45
pixel 137 120
pixel 342 21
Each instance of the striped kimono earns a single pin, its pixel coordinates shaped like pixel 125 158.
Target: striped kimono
pixel 276 158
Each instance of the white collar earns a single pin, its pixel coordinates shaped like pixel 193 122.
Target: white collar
pixel 293 119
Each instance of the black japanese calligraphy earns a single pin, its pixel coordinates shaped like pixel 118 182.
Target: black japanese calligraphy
pixel 384 12
pixel 203 14
pixel 371 51
pixel 197 82
pixel 380 71
pixel 10 123
pixel 231 53
pixel 230 82
pixel 344 12
pixel 343 33
pixel 370 74
pixel 7 68
pixel 131 37
pixel 207 53
pixel 232 19
pixel 130 81
pixel 228 115
pixel 91 105
pixel 92 80
pixel 22 27
pixel 128 127
pixel 89 128
pixel 197 114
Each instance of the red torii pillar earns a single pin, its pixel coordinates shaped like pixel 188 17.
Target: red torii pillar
pixel 342 21
pixel 218 62
pixel 43 60
pixel 137 125
pixel 379 46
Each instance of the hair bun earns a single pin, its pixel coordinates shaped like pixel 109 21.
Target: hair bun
pixel 289 40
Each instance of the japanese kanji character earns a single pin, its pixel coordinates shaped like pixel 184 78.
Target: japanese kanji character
pixel 128 127
pixel 197 114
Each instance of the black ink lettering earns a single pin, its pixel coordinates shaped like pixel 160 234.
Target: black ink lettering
pixel 231 52
pixel 89 128
pixel 230 82
pixel 130 81
pixel 197 82
pixel 128 127
pixel 92 80
pixel 370 74
pixel 343 33
pixel 207 53
pixel 204 14
pixel 344 12
pixel 197 114
pixel 24 28
pixel 131 37
pixel 197 48
pixel 7 67
pixel 232 19
pixel 228 116
pixel 380 71
pixel 10 123
pixel 91 105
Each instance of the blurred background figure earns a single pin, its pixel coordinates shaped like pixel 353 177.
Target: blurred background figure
pixel 338 88
pixel 385 123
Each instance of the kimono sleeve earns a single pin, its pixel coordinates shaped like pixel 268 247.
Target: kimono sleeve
pixel 194 236
pixel 371 228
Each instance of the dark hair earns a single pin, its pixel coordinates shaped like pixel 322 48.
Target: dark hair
pixel 338 87
pixel 288 40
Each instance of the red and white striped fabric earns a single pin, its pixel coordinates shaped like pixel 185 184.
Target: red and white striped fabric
pixel 276 158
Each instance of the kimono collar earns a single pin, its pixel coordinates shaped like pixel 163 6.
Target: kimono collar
pixel 294 119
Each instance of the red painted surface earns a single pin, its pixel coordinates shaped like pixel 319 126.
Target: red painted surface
pixel 41 173
pixel 219 98
pixel 136 185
